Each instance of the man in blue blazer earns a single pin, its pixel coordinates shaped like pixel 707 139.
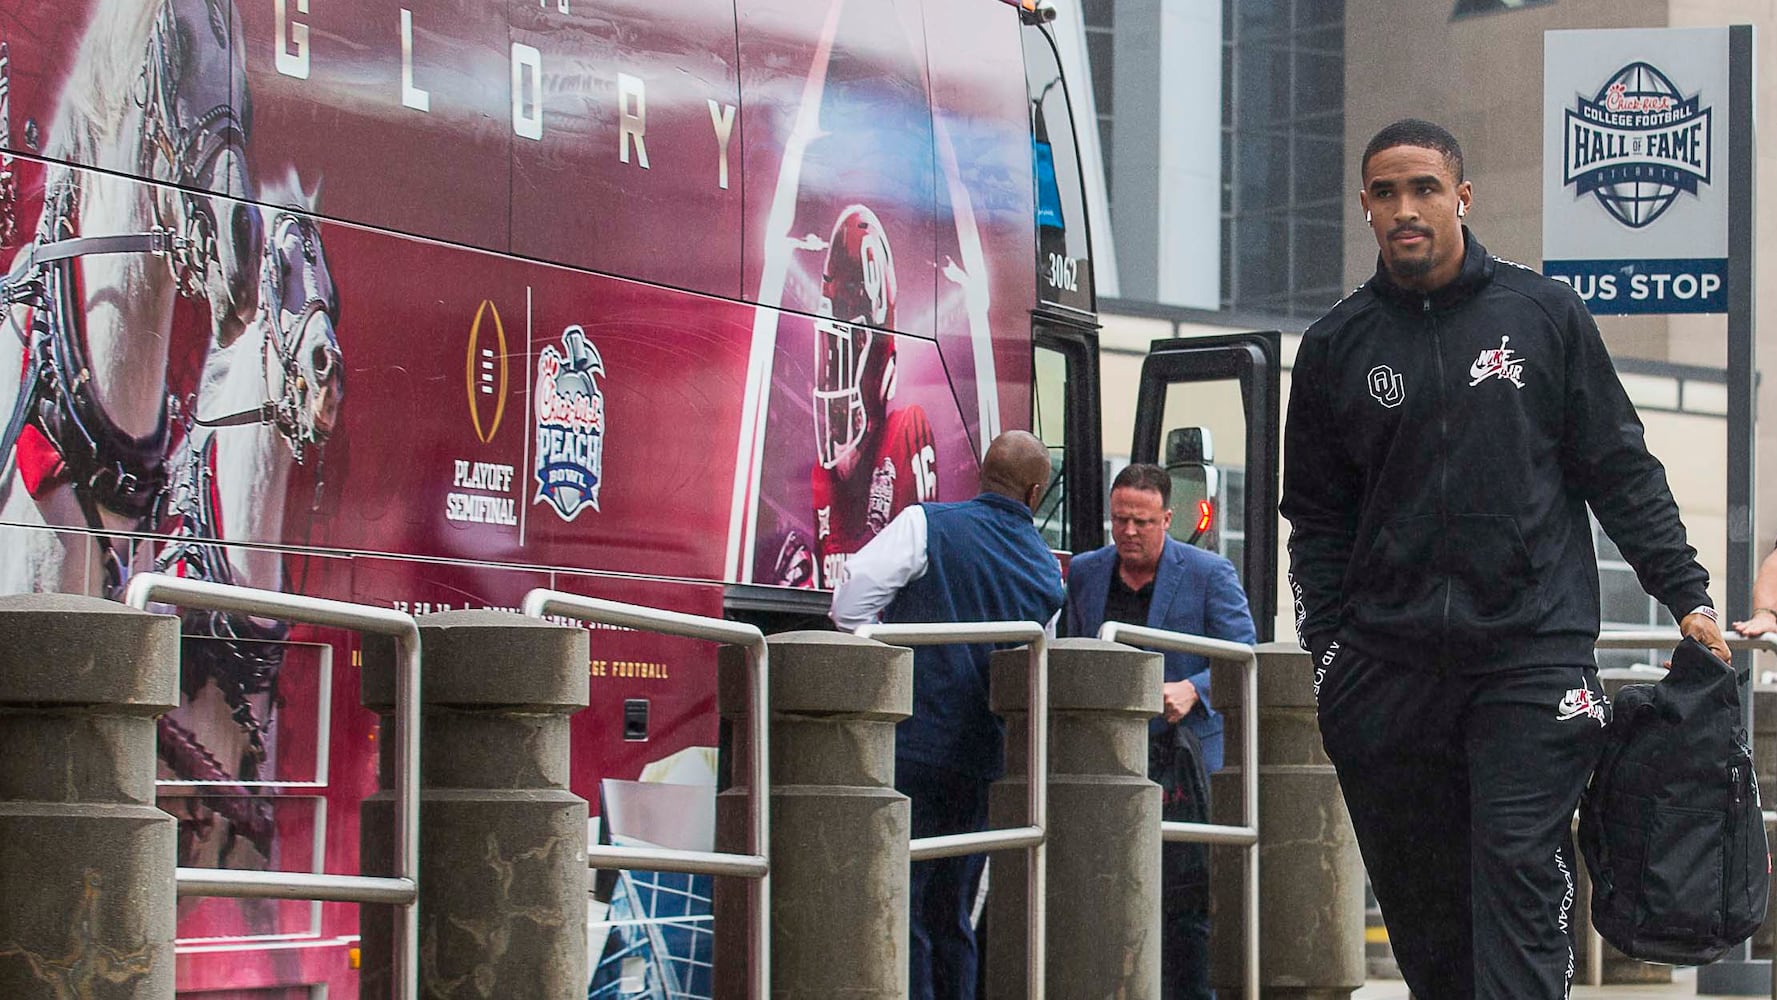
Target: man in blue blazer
pixel 1147 578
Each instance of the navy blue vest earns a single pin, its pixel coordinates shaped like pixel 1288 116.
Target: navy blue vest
pixel 984 562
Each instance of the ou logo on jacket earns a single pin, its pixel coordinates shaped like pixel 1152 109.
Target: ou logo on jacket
pixel 1385 385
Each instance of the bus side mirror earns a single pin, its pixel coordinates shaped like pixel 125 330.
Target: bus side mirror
pixel 1196 487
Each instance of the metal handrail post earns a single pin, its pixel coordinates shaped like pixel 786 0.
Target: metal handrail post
pixel 402 891
pixel 240 884
pixel 1210 833
pixel 543 603
pixel 1033 837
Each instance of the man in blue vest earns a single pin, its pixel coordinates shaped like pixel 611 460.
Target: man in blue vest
pixel 974 561
pixel 1148 578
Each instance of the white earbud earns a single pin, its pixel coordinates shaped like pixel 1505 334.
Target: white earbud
pixel 1461 208
pixel 1366 217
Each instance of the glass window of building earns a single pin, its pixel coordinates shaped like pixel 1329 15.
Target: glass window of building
pixel 1283 138
pixel 1464 8
pixel 1101 55
pixel 1624 605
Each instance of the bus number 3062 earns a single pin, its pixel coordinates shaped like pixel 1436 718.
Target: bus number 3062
pixel 1064 272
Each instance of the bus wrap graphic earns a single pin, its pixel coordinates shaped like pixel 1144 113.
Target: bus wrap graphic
pixel 1637 145
pixel 570 425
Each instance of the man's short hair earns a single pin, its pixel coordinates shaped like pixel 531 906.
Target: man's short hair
pixel 1415 132
pixel 1145 476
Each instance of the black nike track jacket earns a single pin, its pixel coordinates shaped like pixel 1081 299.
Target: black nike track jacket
pixel 1439 456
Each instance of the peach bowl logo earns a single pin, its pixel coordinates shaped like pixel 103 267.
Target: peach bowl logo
pixel 570 412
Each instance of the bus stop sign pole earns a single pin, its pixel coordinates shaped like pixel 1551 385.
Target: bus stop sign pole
pixel 1739 974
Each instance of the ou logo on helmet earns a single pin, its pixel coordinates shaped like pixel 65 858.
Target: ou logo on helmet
pixel 1386 386
pixel 871 263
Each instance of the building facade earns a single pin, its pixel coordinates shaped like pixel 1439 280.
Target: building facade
pixel 1477 68
pixel 1291 238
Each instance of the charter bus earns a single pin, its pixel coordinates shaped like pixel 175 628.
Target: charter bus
pixel 426 305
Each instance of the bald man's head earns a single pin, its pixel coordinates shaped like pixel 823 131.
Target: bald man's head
pixel 1016 466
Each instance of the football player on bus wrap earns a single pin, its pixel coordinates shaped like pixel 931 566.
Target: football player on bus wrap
pixel 871 462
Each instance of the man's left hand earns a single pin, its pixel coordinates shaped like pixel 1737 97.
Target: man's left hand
pixel 1705 630
pixel 1178 697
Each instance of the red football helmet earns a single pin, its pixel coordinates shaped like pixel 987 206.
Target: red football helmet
pixel 854 355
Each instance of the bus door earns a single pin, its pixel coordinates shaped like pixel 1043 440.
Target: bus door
pixel 1207 412
pixel 1065 415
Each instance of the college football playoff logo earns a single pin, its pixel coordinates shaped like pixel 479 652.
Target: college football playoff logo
pixel 486 371
pixel 1637 145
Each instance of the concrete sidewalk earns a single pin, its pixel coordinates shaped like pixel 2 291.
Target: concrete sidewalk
pixel 1684 984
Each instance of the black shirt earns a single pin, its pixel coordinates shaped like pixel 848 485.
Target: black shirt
pixel 1124 605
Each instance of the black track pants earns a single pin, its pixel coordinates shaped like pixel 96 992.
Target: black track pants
pixel 1461 790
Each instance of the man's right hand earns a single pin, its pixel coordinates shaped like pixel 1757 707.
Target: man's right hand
pixel 1177 700
pixel 1706 630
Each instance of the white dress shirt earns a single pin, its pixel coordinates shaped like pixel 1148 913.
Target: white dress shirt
pixel 877 572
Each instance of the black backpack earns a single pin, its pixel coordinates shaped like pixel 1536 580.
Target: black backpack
pixel 1671 826
pixel 1175 763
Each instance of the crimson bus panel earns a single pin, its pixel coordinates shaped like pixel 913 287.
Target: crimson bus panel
pixel 427 305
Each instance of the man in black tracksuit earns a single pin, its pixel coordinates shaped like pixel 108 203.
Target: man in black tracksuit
pixel 1449 423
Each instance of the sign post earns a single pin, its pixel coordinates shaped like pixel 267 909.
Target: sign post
pixel 1648 202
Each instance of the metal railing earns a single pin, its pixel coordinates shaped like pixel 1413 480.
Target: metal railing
pixel 1032 837
pixel 543 603
pixel 1247 835
pixel 1660 638
pixel 401 890
pixel 1665 638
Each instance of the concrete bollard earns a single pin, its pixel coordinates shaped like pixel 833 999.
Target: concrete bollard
pixel 1104 825
pixel 838 827
pixel 87 905
pixel 503 877
pixel 1311 877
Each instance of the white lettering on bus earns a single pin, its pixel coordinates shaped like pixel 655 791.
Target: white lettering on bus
pixel 486 477
pixel 411 96
pixel 289 63
pixel 722 116
pixel 634 124
pixel 476 509
pixel 1063 273
pixel 490 476
pixel 527 71
pixel 293 59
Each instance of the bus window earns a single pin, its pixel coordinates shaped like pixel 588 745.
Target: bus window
pixel 1064 252
pixel 1048 404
